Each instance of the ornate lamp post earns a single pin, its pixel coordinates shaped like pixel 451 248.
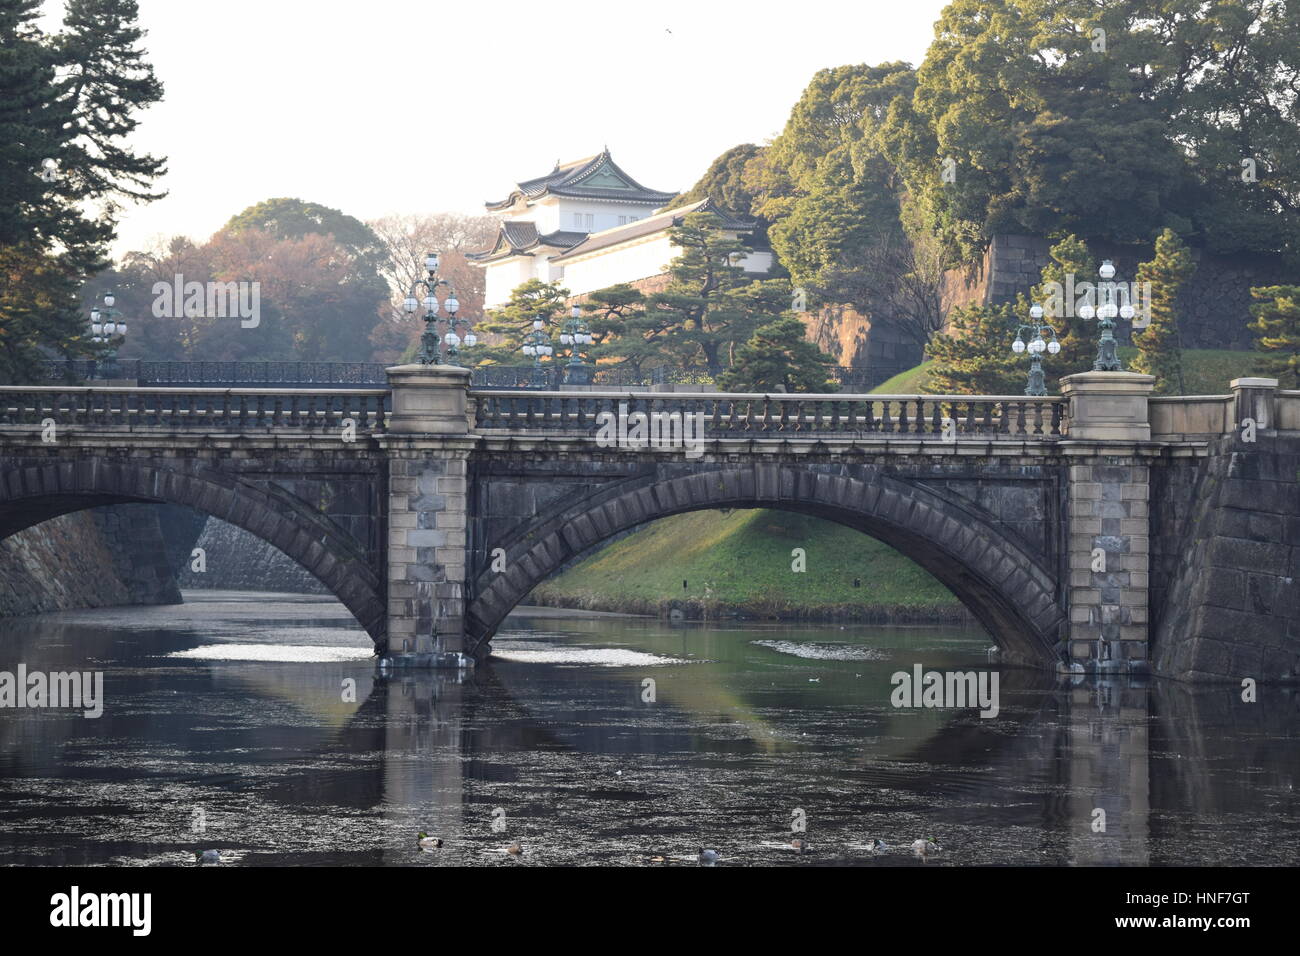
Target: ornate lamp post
pixel 536 345
pixel 576 334
pixel 1036 346
pixel 106 330
pixel 430 343
pixel 1106 311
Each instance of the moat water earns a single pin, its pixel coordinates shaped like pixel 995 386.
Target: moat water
pixel 258 725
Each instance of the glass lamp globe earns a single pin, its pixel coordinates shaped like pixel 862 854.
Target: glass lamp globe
pixel 452 339
pixel 1053 346
pixel 1107 270
pixel 547 350
pixel 94 315
pixel 109 299
pixel 576 311
pixel 1018 346
pixel 530 350
pixel 566 338
pixel 96 329
pixel 1086 311
pixel 1036 311
pixel 1111 310
pixel 431 262
pixel 1037 345
pixel 452 304
pixel 430 304
pixel 121 328
pixel 411 304
pixel 537 324
pixel 110 328
pixel 471 340
pixel 1126 311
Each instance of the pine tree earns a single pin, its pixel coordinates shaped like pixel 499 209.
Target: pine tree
pixel 709 307
pixel 779 358
pixel 509 324
pixel 1277 326
pixel 973 354
pixel 67 100
pixel 105 82
pixel 1071 265
pixel 1159 348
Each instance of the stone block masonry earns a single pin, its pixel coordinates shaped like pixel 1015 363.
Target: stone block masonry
pixel 1109 560
pixel 1233 605
pixel 428 447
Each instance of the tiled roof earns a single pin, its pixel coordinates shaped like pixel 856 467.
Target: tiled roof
pixel 519 238
pixel 652 224
pixel 578 179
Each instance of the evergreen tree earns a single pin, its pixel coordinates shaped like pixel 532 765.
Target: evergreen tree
pixel 709 307
pixel 620 331
pixel 1071 265
pixel 105 81
pixel 973 355
pixel 509 324
pixel 1159 346
pixel 69 100
pixel 779 358
pixel 1277 327
pixel 45 245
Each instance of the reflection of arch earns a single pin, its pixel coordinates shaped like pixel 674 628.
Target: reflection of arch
pixel 1008 590
pixel 30 495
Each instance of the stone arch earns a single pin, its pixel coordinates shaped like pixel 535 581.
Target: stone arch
pixel 1007 588
pixel 36 492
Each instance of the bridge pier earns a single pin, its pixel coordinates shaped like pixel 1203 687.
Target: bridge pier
pixel 1109 533
pixel 428 447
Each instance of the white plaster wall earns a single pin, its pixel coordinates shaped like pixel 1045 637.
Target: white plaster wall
pixel 502 278
pixel 624 264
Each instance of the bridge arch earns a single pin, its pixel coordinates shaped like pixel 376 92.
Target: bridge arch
pixel 1009 590
pixel 36 493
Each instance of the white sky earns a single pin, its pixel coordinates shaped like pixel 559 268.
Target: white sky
pixel 400 106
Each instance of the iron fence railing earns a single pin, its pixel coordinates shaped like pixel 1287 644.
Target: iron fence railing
pixel 551 376
pixel 532 412
pixel 225 411
pixel 740 415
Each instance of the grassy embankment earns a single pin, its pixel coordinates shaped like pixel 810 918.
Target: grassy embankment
pixel 739 562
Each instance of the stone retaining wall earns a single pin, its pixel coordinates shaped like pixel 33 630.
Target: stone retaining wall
pixel 1232 609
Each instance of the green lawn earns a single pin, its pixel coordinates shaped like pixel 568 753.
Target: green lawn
pixel 1205 372
pixel 911 382
pixel 743 560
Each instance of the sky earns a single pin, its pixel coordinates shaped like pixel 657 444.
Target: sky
pixel 390 106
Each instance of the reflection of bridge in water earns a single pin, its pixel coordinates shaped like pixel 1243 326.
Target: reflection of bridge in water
pixel 1076 529
pixel 439 750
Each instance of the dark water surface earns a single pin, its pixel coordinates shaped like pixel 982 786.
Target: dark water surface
pixel 228 723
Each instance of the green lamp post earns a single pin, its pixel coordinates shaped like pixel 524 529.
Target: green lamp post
pixel 431 342
pixel 107 331
pixel 575 334
pixel 1105 312
pixel 537 345
pixel 1036 346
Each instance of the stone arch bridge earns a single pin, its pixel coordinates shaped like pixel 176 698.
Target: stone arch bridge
pixel 1088 528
